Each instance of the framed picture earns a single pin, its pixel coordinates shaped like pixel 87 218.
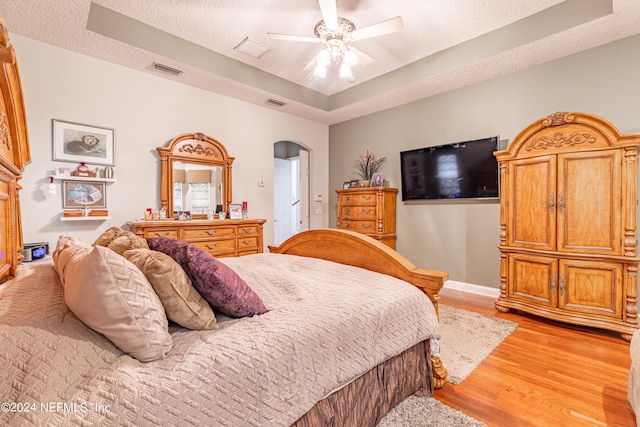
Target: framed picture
pixel 354 183
pixel 235 211
pixel 346 184
pixel 74 142
pixel 81 194
pixel 377 179
pixel 184 215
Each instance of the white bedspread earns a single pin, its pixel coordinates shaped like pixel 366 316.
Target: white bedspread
pixel 328 324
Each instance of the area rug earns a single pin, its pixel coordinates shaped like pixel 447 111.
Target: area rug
pixel 424 412
pixel 468 338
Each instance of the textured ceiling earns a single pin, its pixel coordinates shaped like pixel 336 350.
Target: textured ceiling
pixel 444 44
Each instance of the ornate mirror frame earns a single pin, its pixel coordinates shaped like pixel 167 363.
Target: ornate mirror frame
pixel 196 148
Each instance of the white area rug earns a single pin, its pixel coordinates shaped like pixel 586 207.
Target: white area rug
pixel 467 339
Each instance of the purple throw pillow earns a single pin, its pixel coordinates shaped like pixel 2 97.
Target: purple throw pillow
pixel 218 284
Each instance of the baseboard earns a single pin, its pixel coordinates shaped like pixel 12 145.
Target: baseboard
pixel 471 288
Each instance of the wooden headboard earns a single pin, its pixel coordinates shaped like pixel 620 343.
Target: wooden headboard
pixel 14 156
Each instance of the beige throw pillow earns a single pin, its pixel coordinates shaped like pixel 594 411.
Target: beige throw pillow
pixel 181 301
pixel 112 296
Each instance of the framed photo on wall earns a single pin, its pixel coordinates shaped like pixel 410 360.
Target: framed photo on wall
pixel 75 142
pixel 81 194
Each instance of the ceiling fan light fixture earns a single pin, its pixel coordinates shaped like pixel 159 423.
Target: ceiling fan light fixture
pixel 345 71
pixel 320 71
pixel 350 58
pixel 324 58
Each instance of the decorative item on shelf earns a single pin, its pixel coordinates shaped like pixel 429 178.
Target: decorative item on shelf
pixel 245 211
pixel 148 213
pixel 72 213
pixel 52 187
pixel 83 170
pixel 366 166
pixel 62 172
pixel 184 215
pixel 108 172
pixel 99 212
pixel 222 215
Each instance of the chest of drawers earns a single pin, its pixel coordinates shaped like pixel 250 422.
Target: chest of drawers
pixel 369 210
pixel 228 238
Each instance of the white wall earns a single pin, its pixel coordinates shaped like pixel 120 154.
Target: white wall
pixel 146 111
pixel 461 239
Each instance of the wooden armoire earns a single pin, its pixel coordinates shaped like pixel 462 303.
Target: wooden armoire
pixel 568 222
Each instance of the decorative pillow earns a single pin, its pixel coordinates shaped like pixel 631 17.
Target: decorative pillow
pixel 127 241
pixel 217 283
pixel 108 236
pixel 182 303
pixel 112 296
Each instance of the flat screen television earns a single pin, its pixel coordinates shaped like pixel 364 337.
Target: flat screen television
pixel 463 170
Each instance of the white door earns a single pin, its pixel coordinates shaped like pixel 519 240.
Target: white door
pixel 282 202
pixel 305 219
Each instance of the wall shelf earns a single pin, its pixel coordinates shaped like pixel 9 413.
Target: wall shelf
pixel 82 178
pixel 84 218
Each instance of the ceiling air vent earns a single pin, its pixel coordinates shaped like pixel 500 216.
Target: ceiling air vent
pixel 165 68
pixel 276 102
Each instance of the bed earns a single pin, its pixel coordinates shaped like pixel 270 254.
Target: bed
pixel 349 328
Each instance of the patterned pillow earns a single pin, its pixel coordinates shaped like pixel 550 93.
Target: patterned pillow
pixel 217 283
pixel 112 296
pixel 183 304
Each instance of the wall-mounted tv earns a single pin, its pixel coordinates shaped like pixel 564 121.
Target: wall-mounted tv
pixel 464 170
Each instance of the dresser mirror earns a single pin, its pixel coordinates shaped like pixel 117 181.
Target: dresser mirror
pixel 195 176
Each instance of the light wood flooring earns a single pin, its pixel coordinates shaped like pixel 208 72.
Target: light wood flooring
pixel 545 373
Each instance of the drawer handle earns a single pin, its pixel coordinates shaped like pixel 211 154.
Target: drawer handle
pixel 211 233
pixel 247 242
pixel 366 225
pixel 347 225
pixel 367 211
pixel 158 234
pixel 208 246
pixel 347 198
pixel 347 211
pixel 246 230
pixel 367 197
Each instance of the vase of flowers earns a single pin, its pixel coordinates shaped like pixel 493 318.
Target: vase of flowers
pixel 367 165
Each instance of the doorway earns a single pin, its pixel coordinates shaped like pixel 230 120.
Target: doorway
pixel 291 190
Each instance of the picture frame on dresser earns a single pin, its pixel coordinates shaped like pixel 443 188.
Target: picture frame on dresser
pixel 76 142
pixel 81 194
pixel 235 211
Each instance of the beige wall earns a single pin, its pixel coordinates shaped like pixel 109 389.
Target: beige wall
pixel 147 111
pixel 461 239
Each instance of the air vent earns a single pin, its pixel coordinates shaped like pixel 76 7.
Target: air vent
pixel 276 102
pixel 167 69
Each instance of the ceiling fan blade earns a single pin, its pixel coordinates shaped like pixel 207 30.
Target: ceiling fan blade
pixel 311 64
pixel 363 59
pixel 392 25
pixel 293 38
pixel 329 13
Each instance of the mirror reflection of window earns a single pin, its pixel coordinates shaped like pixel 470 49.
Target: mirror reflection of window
pixel 200 197
pixel 177 196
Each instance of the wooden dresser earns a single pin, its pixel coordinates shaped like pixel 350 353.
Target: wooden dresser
pixel 568 223
pixel 227 238
pixel 370 211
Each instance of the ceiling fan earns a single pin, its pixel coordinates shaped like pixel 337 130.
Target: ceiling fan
pixel 334 33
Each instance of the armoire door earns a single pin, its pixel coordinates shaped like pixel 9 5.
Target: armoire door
pixel 533 279
pixel 532 201
pixel 594 287
pixel 589 211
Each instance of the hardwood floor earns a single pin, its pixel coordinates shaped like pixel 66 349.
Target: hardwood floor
pixel 545 373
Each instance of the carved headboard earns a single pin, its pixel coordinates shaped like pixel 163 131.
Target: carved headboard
pixel 14 156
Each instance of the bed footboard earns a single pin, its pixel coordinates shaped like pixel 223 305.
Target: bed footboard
pixel 351 248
